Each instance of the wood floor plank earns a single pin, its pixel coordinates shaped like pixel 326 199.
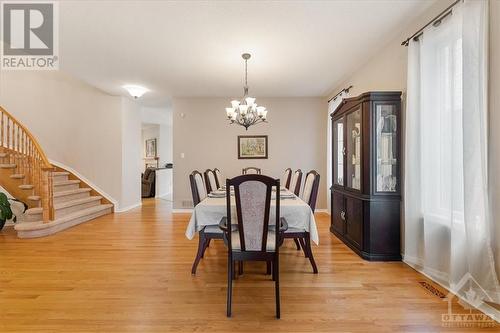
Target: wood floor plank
pixel 130 272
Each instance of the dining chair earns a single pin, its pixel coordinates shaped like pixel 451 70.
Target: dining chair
pixel 250 238
pixel 301 236
pixel 295 182
pixel 207 233
pixel 251 171
pixel 287 175
pixel 218 178
pixel 210 181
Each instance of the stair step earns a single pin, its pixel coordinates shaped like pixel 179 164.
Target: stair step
pixel 87 211
pixel 32 215
pixel 69 195
pixel 66 185
pixel 69 192
pixel 3 155
pixel 60 173
pixel 72 206
pixel 40 229
pixel 34 198
pixel 17 176
pixel 26 187
pixel 34 211
pixel 71 203
pixel 8 166
pixel 66 182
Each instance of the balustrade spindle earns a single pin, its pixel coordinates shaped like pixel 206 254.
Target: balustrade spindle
pixel 24 151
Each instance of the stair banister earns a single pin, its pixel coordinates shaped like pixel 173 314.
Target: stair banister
pixel 25 151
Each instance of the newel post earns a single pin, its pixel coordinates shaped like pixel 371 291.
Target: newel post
pixel 47 195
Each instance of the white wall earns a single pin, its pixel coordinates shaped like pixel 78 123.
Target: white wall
pixel 296 132
pixel 131 154
pixel 76 124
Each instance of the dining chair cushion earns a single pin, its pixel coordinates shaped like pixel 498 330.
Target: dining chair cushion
pixel 253 202
pixel 202 192
pixel 294 180
pixel 285 177
pixel 218 174
pixel 294 230
pixel 306 194
pixel 270 245
pixel 211 180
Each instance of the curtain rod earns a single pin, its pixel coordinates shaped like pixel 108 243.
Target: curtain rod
pixel 340 92
pixel 436 21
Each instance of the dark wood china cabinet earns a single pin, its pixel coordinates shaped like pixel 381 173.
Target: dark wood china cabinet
pixel 366 190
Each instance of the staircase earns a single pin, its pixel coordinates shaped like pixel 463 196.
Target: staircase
pixel 57 199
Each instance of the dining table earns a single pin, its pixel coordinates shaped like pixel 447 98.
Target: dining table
pixel 212 209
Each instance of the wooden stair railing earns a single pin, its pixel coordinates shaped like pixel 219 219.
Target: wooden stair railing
pixel 25 152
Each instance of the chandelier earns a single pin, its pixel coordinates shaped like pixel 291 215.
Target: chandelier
pixel 246 112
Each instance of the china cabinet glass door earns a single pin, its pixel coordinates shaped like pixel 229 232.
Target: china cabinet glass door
pixel 353 127
pixel 386 140
pixel 338 152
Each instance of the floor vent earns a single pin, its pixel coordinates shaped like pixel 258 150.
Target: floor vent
pixel 433 290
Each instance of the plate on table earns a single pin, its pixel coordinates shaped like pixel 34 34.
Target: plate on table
pixel 216 194
pixel 287 196
pixel 219 192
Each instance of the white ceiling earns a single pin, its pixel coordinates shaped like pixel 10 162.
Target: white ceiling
pixel 193 48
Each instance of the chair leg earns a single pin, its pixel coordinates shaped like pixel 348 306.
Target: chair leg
pixel 310 254
pixel 235 276
pixel 303 244
pixel 268 267
pixel 207 242
pixel 297 244
pixel 240 267
pixel 229 284
pixel 199 253
pixel 277 285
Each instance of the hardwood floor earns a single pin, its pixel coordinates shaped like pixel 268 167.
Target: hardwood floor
pixel 130 272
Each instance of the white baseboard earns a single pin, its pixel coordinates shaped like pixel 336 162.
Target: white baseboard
pixel 91 184
pixel 163 195
pixel 124 209
pixel 182 210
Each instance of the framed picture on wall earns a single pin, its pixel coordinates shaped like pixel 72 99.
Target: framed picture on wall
pixel 151 148
pixel 252 146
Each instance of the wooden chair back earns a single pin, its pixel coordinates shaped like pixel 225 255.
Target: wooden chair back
pixel 295 182
pixel 218 178
pixel 287 176
pixel 198 189
pixel 311 187
pixel 210 181
pixel 251 171
pixel 253 204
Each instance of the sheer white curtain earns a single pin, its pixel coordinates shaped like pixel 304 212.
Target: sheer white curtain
pixel 447 218
pixel 332 105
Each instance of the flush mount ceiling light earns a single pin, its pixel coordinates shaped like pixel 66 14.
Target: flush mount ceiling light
pixel 135 91
pixel 246 112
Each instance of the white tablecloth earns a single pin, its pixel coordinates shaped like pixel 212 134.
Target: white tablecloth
pixel 210 211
